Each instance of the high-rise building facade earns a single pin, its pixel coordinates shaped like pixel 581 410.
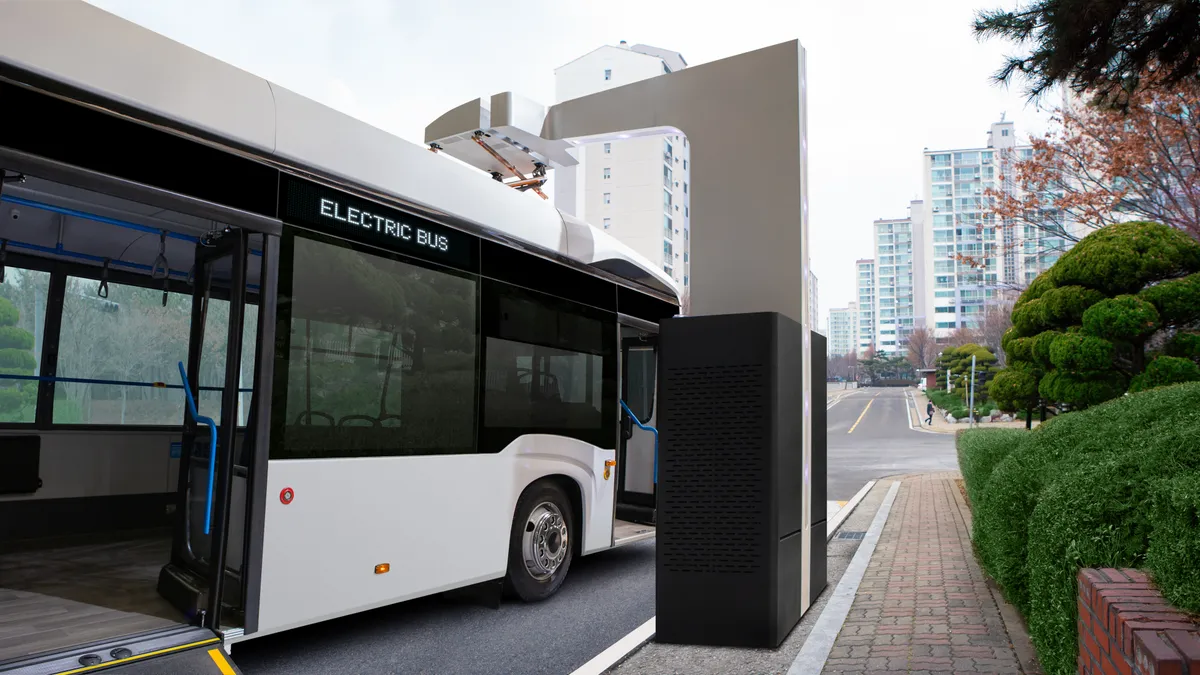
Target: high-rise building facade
pixel 971 258
pixel 899 263
pixel 843 331
pixel 635 189
pixel 865 282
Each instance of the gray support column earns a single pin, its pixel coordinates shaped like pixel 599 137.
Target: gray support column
pixel 745 119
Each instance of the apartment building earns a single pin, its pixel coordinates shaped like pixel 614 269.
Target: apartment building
pixel 843 331
pixel 970 257
pixel 635 189
pixel 865 326
pixel 899 284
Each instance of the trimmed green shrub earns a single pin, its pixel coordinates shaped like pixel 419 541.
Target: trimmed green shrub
pixel 1164 371
pixel 1126 318
pixel 1015 388
pixel 1177 300
pixel 1175 542
pixel 1076 351
pixel 1096 514
pixel 944 399
pixel 1125 285
pixel 979 451
pixel 1185 344
pixel 1129 424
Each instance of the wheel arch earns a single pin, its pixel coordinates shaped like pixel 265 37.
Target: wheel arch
pixel 574 492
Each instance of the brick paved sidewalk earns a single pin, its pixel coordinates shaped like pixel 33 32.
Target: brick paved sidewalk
pixel 924 605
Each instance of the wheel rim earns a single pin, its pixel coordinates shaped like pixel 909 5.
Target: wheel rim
pixel 545 542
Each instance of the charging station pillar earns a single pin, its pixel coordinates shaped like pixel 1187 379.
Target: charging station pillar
pixel 741 531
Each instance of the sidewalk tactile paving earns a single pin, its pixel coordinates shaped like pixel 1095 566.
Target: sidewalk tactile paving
pixel 924 605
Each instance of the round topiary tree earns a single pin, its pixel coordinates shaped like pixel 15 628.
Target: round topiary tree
pixel 16 358
pixel 1082 331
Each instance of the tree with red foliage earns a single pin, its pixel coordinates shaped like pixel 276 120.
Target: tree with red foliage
pixel 1099 166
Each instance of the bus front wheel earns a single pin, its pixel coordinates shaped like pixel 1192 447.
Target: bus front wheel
pixel 540 548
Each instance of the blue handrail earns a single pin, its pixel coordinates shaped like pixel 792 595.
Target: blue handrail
pixel 114 383
pixel 644 427
pixel 212 446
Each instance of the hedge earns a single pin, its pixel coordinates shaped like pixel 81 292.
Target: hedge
pixel 979 451
pixel 1117 485
pixel 1175 542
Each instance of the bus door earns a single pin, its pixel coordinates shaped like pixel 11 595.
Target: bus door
pixel 216 390
pixel 636 456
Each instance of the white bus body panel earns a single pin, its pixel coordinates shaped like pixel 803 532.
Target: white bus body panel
pixel 74 42
pixel 440 521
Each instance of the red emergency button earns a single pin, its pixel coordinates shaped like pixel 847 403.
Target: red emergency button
pixel 287 495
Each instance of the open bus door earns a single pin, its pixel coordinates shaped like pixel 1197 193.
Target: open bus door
pixel 203 580
pixel 637 456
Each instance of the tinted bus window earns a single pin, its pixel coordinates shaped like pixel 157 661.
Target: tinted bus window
pixel 550 368
pixel 380 355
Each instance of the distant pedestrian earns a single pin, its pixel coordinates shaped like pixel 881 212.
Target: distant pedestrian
pixel 929 413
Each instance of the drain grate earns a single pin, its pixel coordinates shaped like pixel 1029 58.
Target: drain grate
pixel 850 535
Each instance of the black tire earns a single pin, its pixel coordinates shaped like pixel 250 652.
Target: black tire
pixel 528 584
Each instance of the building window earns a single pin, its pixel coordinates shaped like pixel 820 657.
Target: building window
pixel 667 226
pixel 685 187
pixel 685 280
pixel 608 148
pixel 607 197
pixel 607 223
pixel 392 384
pixel 666 69
pixel 607 73
pixel 685 165
pixel 667 200
pixel 668 250
pixel 607 173
pixel 666 176
pixel 1004 132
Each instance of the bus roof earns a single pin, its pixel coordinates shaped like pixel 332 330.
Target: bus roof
pixel 79 45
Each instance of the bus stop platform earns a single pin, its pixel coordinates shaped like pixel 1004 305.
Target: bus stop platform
pixel 905 595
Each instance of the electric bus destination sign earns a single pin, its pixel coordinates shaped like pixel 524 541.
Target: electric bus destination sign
pixel 333 210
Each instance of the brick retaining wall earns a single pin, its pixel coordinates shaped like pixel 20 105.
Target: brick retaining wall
pixel 1126 627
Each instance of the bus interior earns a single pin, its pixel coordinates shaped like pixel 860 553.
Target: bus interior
pixel 105 305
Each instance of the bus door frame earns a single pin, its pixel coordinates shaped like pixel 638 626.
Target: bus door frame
pixel 648 332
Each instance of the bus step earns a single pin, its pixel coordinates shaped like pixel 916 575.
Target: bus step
pixel 188 591
pixel 645 515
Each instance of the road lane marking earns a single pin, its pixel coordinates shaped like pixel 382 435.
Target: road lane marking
pixel 911 397
pixel 608 658
pixel 860 417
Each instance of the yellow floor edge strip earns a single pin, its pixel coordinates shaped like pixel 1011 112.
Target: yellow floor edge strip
pixel 218 658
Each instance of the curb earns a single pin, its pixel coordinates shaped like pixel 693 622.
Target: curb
pixel 819 643
pixel 831 527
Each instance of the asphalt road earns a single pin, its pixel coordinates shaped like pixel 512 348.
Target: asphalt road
pixel 869 438
pixel 606 596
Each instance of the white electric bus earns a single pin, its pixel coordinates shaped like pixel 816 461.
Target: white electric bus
pixel 263 365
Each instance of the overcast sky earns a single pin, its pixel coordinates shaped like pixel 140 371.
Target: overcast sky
pixel 886 78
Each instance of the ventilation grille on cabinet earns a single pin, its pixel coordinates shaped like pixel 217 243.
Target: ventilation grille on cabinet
pixel 711 517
